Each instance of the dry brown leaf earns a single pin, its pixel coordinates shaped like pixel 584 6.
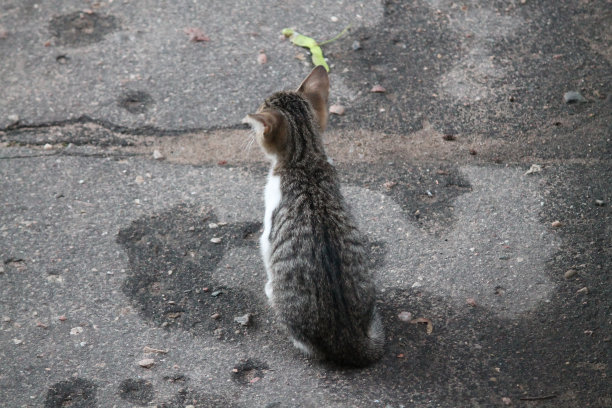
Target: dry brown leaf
pixel 196 35
pixel 429 329
pixel 389 184
pixel 148 349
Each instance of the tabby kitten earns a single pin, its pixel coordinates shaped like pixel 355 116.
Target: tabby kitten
pixel 318 283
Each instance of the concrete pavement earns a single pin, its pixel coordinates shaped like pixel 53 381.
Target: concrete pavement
pixel 107 258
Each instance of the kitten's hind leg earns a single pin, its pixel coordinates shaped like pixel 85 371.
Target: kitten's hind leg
pixel 268 289
pixel 303 347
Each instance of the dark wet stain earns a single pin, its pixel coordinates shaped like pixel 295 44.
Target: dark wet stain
pixel 136 391
pixel 475 358
pixel 394 54
pixel 80 28
pixel 187 396
pixel 135 101
pixel 171 262
pixel 75 393
pixel 425 194
pixel 416 46
pixel 249 371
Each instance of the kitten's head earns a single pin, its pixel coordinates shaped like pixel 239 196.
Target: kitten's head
pixel 288 124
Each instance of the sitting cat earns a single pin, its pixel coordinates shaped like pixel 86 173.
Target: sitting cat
pixel 318 283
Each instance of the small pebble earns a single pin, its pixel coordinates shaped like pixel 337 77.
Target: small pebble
pixel 506 401
pixel 215 240
pixel 146 363
pixel 212 225
pixel 535 168
pixel 216 293
pixel 215 316
pixel 573 97
pixel 471 302
pixel 62 318
pixel 262 58
pixel 389 185
pixel 378 89
pixel 334 19
pixel 556 224
pixel 13 119
pixel 17 341
pixel 600 203
pixel 473 152
pixel 76 330
pixel 157 155
pixel 243 320
pixel 139 180
pixel 47 146
pixel 6 319
pixel 405 316
pixel 337 110
pixel 569 273
pixel 356 45
pixel 584 290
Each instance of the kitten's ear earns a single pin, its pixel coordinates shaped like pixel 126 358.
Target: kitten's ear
pixel 315 88
pixel 268 123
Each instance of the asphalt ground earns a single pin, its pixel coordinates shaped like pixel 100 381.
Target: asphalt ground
pixel 105 247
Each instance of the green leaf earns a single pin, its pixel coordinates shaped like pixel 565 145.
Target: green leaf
pixel 307 42
pixel 303 41
pixel 317 57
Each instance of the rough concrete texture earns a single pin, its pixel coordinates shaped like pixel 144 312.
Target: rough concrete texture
pixel 121 275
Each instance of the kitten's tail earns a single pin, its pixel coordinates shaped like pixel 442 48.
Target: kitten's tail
pixel 373 346
pixel 365 350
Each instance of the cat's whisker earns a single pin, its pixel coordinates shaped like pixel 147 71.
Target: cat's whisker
pixel 245 143
pixel 250 144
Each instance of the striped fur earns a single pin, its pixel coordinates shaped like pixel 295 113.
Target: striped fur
pixel 318 281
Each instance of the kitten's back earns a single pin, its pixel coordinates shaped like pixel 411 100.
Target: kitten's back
pixel 322 287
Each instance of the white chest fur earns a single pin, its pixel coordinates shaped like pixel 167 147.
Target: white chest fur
pixel 272 197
